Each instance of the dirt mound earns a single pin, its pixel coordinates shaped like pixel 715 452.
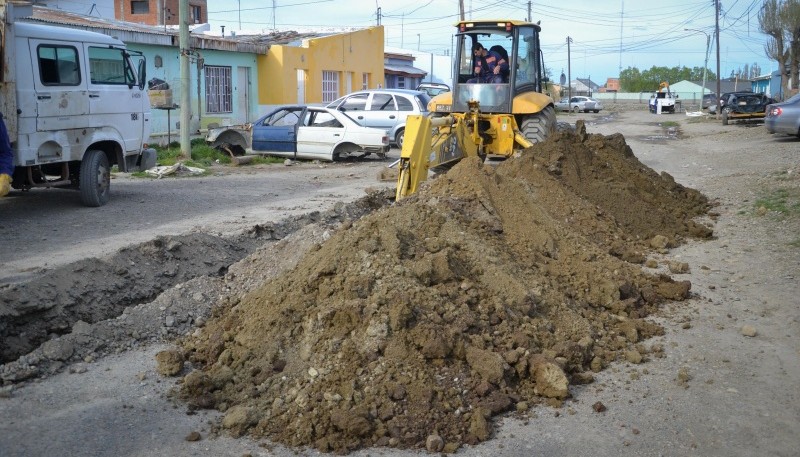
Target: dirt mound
pixel 489 290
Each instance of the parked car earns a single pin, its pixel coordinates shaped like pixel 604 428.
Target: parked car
pixel 433 89
pixel 784 117
pixel 384 108
pixel 745 106
pixel 709 100
pixel 723 100
pixel 579 103
pixel 301 132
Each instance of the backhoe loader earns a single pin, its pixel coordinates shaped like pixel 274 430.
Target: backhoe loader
pixel 481 119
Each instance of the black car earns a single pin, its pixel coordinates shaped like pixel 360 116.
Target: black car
pixel 745 106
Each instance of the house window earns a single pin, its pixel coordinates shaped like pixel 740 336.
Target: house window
pixel 139 7
pixel 197 17
pixel 401 82
pixel 219 93
pixel 364 81
pixel 330 86
pixel 58 66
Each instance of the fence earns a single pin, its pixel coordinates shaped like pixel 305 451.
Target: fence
pixel 685 100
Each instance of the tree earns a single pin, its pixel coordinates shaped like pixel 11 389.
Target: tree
pixel 632 80
pixel 780 19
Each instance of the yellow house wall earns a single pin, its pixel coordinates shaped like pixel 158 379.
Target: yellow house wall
pixel 355 52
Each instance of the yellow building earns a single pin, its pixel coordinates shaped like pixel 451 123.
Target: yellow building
pixel 321 69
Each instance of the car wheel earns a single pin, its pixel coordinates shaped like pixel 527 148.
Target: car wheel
pixel 399 137
pixel 94 180
pixel 575 109
pixel 597 111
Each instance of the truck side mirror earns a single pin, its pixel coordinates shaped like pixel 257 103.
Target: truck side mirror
pixel 142 73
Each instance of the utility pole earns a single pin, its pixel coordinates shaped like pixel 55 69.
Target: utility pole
pixel 569 68
pixel 461 9
pixel 378 16
pixel 183 18
pixel 529 12
pixel 716 28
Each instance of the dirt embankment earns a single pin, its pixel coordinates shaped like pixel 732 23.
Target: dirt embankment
pixel 490 290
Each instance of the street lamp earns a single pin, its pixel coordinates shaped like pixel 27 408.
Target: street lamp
pixel 705 65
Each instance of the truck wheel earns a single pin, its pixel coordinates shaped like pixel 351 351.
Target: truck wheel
pixel 95 178
pixel 724 117
pixel 537 127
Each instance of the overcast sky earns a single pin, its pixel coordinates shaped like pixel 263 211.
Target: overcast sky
pixel 606 34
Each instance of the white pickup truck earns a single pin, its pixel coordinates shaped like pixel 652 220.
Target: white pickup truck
pixel 74 104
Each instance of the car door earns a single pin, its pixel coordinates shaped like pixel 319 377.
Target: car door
pixel 277 132
pixel 382 112
pixel 318 135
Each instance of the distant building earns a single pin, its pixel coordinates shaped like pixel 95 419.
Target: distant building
pixel 399 73
pixel 159 12
pixel 584 87
pixel 612 85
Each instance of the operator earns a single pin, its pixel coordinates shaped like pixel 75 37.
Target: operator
pixel 6 160
pixel 489 66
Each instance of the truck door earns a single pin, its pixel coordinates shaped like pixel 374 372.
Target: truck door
pixel 60 90
pixel 115 100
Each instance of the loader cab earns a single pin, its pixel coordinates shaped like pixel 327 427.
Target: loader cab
pixel 515 42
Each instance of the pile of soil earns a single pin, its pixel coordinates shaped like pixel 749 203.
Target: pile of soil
pixel 488 291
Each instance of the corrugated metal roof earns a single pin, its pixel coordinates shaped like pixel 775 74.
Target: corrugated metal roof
pixel 403 69
pixel 132 32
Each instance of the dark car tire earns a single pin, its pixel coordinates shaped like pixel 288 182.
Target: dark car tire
pixel 400 137
pixel 597 111
pixel 575 109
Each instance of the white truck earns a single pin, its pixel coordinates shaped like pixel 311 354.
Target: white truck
pixel 74 104
pixel 663 100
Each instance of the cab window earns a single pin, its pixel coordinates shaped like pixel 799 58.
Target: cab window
pixel 58 65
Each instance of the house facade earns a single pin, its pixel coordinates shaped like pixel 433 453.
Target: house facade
pixel 320 70
pixel 400 73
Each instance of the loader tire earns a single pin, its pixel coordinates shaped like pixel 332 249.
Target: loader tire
pixel 537 127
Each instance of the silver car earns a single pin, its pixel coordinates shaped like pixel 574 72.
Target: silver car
pixel 384 108
pixel 579 103
pixel 784 117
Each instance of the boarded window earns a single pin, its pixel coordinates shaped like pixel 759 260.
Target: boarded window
pixel 330 86
pixel 219 93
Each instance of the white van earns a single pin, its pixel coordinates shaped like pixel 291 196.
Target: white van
pixel 75 104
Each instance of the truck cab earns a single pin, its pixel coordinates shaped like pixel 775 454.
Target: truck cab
pixel 75 105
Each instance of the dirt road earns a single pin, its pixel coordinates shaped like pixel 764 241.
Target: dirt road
pixel 726 386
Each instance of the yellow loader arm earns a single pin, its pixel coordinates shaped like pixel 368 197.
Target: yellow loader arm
pixel 439 142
